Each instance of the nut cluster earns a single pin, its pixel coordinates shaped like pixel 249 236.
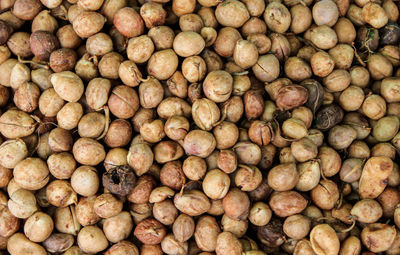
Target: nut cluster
pixel 199 127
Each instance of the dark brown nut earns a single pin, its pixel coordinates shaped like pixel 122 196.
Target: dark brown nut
pixel 126 247
pixel 61 165
pixel 172 175
pixel 42 43
pixel 271 234
pixel 119 180
pixel 150 231
pixel 378 237
pixel 253 104
pixel 287 203
pixel 283 177
pixel 141 192
pixel 157 67
pixel 85 211
pixel 123 102
pixel 61 194
pixel 328 116
pixel 90 235
pixel 88 151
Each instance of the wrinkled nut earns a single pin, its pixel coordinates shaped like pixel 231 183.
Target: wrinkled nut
pixel 150 231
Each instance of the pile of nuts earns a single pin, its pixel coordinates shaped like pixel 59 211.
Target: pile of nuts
pixel 199 127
